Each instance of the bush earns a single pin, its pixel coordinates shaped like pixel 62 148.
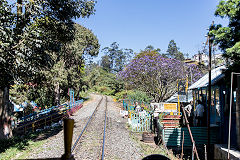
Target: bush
pixel 121 95
pixel 134 95
pixel 83 94
pixel 104 90
pixel 139 96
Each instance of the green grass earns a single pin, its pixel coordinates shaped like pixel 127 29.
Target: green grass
pixel 15 153
pixel 19 147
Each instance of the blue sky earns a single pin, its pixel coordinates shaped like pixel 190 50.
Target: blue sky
pixel 137 23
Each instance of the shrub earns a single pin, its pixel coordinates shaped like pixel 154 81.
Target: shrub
pixel 121 95
pixel 134 95
pixel 138 96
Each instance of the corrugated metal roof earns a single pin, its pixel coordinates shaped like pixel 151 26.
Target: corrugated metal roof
pixel 216 75
pixel 182 98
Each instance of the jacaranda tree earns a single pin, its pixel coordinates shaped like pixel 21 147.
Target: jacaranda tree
pixel 156 75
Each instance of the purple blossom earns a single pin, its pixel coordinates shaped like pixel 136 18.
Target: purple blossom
pixel 157 74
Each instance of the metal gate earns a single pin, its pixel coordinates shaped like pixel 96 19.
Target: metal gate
pixel 140 122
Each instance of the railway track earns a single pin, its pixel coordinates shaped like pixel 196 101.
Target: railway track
pixel 91 140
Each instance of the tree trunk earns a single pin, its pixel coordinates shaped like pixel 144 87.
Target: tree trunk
pixel 57 94
pixel 238 111
pixel 6 111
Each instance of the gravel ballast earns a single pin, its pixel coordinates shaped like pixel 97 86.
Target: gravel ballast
pixel 118 142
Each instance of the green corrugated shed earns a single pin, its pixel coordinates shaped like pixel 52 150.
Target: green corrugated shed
pixel 173 136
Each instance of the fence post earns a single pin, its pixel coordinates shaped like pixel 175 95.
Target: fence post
pixel 68 133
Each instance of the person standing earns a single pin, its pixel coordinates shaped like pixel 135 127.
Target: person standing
pixel 137 107
pixel 155 118
pixel 199 113
pixel 189 111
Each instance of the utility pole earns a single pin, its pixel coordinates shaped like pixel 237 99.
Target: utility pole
pixel 238 110
pixel 210 40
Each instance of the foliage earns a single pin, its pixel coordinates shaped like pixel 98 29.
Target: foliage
pixel 173 51
pixel 151 48
pixel 101 81
pixel 15 90
pixel 67 70
pixel 28 35
pixel 106 63
pixel 228 38
pixel 32 52
pixel 102 78
pixel 116 57
pixel 104 90
pixel 157 76
pixel 121 95
pixel 91 75
pixel 147 52
pixel 138 96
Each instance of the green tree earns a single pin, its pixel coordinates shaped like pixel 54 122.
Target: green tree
pixel 118 57
pixel 102 81
pixel 173 51
pixel 28 36
pixel 75 53
pixel 68 69
pixel 106 63
pixel 228 38
pixel 92 74
pixel 150 53
pixel 151 48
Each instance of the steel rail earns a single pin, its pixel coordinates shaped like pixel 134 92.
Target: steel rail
pixel 104 130
pixel 76 142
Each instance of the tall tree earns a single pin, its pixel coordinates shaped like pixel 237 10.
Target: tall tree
pixel 68 68
pixel 173 51
pixel 118 57
pixel 151 48
pixel 228 38
pixel 75 53
pixel 156 75
pixel 106 63
pixel 28 36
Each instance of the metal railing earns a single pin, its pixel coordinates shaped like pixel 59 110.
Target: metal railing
pixel 39 121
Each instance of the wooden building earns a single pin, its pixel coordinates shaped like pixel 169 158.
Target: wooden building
pixel 220 102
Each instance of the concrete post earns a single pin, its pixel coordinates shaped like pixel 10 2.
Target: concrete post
pixel 68 133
